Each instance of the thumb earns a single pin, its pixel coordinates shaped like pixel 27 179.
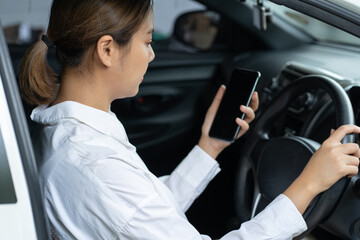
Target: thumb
pixel 217 99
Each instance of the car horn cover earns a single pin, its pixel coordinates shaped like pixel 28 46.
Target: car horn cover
pixel 281 162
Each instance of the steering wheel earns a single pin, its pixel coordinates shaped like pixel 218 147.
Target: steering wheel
pixel 269 165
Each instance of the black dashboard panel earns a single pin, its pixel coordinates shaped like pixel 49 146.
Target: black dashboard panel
pixel 333 58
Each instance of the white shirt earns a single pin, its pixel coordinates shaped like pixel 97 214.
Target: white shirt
pixel 95 186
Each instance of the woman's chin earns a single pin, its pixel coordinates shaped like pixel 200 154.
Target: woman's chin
pixel 133 93
pixel 128 95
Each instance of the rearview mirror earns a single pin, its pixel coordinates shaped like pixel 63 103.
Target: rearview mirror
pixel 197 29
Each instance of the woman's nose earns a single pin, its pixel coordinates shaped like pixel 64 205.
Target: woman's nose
pixel 152 55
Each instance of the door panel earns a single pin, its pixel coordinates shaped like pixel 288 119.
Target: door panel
pixel 164 119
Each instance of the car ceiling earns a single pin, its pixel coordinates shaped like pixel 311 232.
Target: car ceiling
pixel 242 15
pixel 326 11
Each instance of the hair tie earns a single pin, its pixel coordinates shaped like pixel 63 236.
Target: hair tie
pixel 48 43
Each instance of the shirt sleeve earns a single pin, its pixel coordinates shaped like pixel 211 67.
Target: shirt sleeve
pixel 151 216
pixel 191 177
pixel 279 221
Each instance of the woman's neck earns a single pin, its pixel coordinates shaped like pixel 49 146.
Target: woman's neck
pixel 82 88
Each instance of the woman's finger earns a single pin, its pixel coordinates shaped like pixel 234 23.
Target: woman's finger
pixel 332 131
pixel 354 161
pixel 254 104
pixel 211 112
pixel 249 113
pixel 350 170
pixel 340 133
pixel 244 126
pixel 350 148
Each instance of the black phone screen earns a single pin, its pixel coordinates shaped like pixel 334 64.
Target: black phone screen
pixel 238 92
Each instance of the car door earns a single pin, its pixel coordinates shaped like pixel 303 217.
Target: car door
pixel 164 120
pixel 21 209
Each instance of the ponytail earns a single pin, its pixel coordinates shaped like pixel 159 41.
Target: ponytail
pixel 37 81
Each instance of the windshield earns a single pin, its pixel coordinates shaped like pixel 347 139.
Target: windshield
pixel 317 29
pixel 352 5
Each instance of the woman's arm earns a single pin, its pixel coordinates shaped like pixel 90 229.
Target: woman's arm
pixel 193 174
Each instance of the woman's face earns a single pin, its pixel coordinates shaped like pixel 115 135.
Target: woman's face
pixel 132 64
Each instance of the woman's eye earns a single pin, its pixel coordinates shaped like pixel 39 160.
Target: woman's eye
pixel 149 43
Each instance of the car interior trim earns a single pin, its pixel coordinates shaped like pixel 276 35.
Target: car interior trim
pixel 23 138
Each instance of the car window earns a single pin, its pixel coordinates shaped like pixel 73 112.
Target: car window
pixel 166 12
pixel 352 5
pixel 315 28
pixel 25 20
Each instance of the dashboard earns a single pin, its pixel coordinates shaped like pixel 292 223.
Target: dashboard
pixel 311 115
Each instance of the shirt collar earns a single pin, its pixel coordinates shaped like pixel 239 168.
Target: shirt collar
pixel 104 122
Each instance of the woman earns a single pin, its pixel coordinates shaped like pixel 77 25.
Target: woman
pixel 94 184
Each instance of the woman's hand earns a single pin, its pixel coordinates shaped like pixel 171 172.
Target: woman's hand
pixel 330 162
pixel 214 146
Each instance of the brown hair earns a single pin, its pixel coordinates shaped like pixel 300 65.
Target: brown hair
pixel 75 26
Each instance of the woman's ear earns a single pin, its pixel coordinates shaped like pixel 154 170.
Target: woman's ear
pixel 105 49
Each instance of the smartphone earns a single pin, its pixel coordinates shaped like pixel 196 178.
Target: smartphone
pixel 238 92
